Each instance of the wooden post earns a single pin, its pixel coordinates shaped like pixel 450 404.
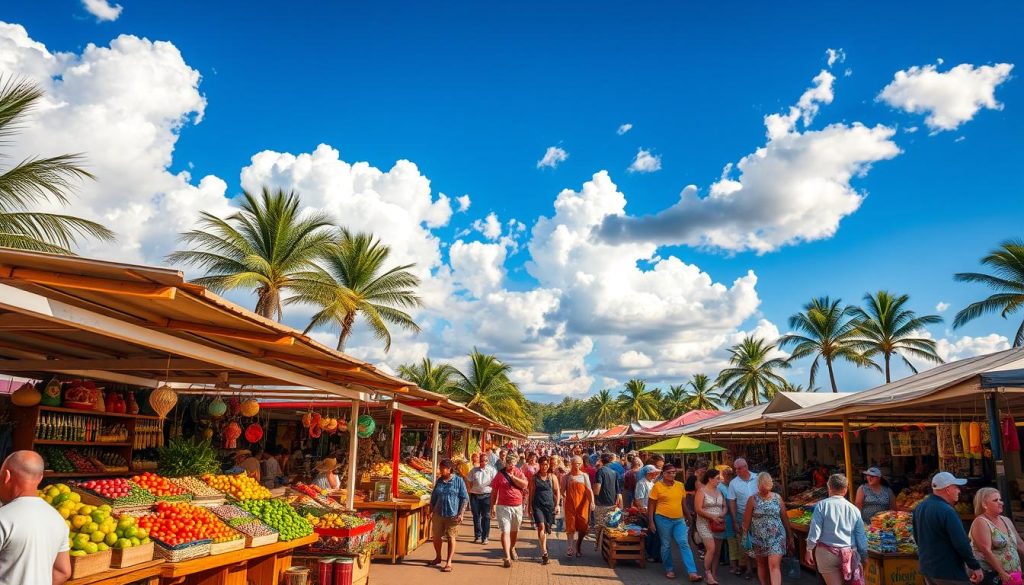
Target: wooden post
pixel 396 452
pixel 435 438
pixel 846 454
pixel 353 452
pixel 783 463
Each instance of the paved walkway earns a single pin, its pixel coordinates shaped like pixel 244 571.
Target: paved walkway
pixel 481 565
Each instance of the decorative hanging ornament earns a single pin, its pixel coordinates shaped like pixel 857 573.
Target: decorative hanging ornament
pixel 162 400
pixel 231 434
pixel 250 408
pixel 306 419
pixel 234 405
pixel 365 426
pixel 26 395
pixel 315 431
pixel 314 421
pixel 217 408
pixel 254 433
pixel 325 423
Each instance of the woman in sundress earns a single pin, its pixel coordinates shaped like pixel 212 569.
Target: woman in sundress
pixel 766 522
pixel 709 505
pixel 994 538
pixel 577 502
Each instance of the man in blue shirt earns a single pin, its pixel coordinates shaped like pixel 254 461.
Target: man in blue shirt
pixel 942 545
pixel 448 503
pixel 836 530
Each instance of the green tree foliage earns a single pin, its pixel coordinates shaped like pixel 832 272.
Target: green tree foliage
pixel 1007 281
pixel 826 330
pixel 752 377
pixel 887 328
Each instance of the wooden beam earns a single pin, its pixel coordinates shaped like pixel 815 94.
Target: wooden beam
pixel 15 299
pixel 60 342
pixel 106 285
pixel 133 364
pixel 336 365
pixel 16 322
pixel 846 454
pixel 274 338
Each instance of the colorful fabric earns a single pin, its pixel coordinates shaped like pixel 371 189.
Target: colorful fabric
pixel 768 535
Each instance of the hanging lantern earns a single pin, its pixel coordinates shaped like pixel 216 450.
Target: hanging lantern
pixel 366 426
pixel 231 434
pixel 217 408
pixel 306 419
pixel 26 396
pixel 250 408
pixel 162 400
pixel 254 433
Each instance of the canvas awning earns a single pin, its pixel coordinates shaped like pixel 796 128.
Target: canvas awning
pixel 702 427
pixel 682 444
pixel 684 419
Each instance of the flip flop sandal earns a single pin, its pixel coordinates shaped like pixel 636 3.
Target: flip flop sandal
pixel 570 553
pixel 434 563
pixel 446 569
pixel 670 575
pixel 695 578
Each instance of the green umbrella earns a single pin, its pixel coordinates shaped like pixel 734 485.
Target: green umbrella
pixel 682 444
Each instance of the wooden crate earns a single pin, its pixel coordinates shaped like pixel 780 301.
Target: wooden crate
pixel 128 557
pixel 625 548
pixel 86 565
pixel 255 541
pixel 219 548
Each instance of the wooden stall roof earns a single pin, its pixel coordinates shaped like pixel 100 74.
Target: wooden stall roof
pixel 144 325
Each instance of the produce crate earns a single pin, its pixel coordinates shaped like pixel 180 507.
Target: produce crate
pixel 90 498
pixel 183 552
pixel 128 557
pixel 257 541
pixel 624 548
pixel 83 566
pixel 345 541
pixel 219 548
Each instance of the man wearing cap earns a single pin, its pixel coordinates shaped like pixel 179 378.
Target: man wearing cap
pixel 943 548
pixel 741 488
pixel 448 502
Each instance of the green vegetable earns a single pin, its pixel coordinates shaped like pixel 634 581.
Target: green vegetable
pixel 183 457
pixel 279 516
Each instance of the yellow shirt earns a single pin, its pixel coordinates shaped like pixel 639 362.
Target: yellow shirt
pixel 670 499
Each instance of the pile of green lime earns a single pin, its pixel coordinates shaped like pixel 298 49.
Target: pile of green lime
pixel 279 516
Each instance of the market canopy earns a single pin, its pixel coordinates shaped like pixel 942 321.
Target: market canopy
pixel 749 413
pixel 684 419
pixel 1003 379
pixel 682 444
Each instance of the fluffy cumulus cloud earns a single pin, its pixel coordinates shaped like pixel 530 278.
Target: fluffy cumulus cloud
pixel 948 98
pixel 463 202
pixel 132 96
pixel 834 56
pixel 645 162
pixel 490 226
pixel 102 10
pixel 966 346
pixel 941 307
pixel 553 156
pixel 624 128
pixel 798 187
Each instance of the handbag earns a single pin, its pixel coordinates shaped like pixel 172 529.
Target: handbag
pixel 716 525
pixel 748 542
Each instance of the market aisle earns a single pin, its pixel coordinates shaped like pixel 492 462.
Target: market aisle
pixel 481 565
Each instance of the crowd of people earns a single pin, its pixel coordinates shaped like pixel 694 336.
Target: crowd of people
pixel 725 517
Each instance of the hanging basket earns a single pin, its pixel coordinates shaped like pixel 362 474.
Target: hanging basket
pixel 254 433
pixel 366 426
pixel 162 400
pixel 231 434
pixel 250 408
pixel 217 408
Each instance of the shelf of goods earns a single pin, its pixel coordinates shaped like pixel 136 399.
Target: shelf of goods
pixel 78 443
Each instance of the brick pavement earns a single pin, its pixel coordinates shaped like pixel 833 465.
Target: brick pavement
pixel 481 565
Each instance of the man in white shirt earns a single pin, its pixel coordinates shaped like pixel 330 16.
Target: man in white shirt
pixel 480 478
pixel 33 537
pixel 741 488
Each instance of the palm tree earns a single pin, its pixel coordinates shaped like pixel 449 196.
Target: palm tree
pixel 264 246
pixel 38 180
pixel 602 410
pixel 887 328
pixel 752 375
pixel 701 393
pixel 829 333
pixel 674 402
pixel 1007 262
pixel 788 386
pixel 637 402
pixel 487 389
pixel 440 378
pixel 355 280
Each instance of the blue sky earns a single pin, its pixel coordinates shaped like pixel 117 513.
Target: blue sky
pixel 475 94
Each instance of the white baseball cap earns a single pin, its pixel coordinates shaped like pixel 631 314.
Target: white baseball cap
pixel 944 479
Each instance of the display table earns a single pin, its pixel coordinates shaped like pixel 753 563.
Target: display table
pixel 892 569
pixel 148 573
pixel 409 519
pixel 800 543
pixel 262 565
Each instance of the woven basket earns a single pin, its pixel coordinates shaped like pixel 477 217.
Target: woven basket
pixel 183 552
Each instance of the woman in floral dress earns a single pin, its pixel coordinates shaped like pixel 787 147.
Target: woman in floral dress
pixel 766 522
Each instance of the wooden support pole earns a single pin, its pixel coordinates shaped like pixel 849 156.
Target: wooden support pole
pixel 353 452
pixel 435 438
pixel 783 463
pixel 846 455
pixel 396 452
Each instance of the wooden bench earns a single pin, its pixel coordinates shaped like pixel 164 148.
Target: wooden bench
pixel 624 548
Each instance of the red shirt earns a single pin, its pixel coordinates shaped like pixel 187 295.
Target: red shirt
pixel 508 494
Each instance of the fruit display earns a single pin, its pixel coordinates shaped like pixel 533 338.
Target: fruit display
pixel 807 497
pixel 909 497
pixel 279 516
pixel 196 487
pixel 162 488
pixel 57 460
pixel 420 464
pixel 410 481
pixel 233 515
pixel 93 529
pixel 119 492
pixel 337 520
pixel 255 529
pixel 177 523
pixel 81 463
pixel 891 532
pixel 240 487
pixel 802 518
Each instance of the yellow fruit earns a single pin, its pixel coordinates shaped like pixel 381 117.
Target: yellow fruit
pixel 79 520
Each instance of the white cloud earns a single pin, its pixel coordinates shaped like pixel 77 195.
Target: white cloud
pixel 795 188
pixel 941 307
pixel 949 98
pixel 835 56
pixel 490 226
pixel 910 129
pixel 477 266
pixel 102 10
pixel 624 128
pixel 464 203
pixel 634 360
pixel 967 346
pixel 645 162
pixel 552 157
